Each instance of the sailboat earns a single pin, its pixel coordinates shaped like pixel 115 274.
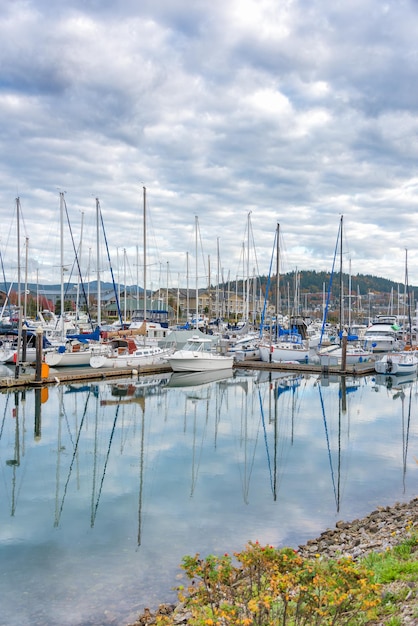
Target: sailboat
pixel 289 345
pixel 75 350
pixel 9 347
pixel 348 349
pixel 405 361
pixel 153 324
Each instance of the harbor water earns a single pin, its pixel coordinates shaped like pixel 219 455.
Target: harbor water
pixel 106 486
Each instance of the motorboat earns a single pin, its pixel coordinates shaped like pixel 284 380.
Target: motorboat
pixel 397 363
pixel 383 334
pixel 245 347
pixel 198 355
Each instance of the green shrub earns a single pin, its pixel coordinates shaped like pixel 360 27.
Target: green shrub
pixel 265 586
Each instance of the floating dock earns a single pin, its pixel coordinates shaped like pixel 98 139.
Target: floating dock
pixel 57 376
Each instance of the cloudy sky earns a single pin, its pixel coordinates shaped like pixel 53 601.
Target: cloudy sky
pixel 234 115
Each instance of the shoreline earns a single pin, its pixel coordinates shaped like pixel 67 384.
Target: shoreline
pixel 383 528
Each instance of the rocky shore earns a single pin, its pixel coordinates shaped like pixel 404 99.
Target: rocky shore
pixel 383 528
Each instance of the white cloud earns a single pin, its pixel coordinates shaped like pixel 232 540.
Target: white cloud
pixel 282 109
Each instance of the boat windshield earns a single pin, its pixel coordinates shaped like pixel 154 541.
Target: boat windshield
pixel 198 345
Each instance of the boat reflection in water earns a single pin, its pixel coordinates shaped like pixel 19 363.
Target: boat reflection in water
pixel 192 379
pixel 401 389
pixel 118 481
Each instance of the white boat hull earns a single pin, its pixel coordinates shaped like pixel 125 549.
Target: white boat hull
pixel 143 356
pixel 382 335
pixel 380 344
pixel 68 359
pixel 332 355
pixel 279 353
pixel 397 364
pixel 186 361
pixel 9 355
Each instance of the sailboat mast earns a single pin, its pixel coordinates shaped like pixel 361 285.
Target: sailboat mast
pixel 187 288
pixel 145 249
pixel 19 290
pixel 277 278
pixel 341 278
pixel 218 312
pixel 80 248
pixel 124 283
pixel 247 282
pixel 99 295
pixel 349 296
pixel 25 299
pixel 408 300
pixel 62 263
pixel 197 288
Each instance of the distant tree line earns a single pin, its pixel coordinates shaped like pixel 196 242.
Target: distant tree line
pixel 310 281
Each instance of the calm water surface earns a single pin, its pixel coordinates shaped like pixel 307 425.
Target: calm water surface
pixel 105 487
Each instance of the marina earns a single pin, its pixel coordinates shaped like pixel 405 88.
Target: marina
pixel 209 297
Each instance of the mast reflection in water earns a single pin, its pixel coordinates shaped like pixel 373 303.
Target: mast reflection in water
pixel 105 487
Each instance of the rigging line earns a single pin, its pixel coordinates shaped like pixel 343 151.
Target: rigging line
pixel 327 438
pixel 106 461
pixel 408 298
pixel 93 490
pixel 268 287
pixel 5 287
pixel 4 414
pixel 324 319
pixel 130 272
pixel 252 462
pixel 247 476
pixel 78 267
pixel 56 523
pixel 254 248
pixel 196 459
pixel 339 457
pixel 68 425
pixel 201 250
pixel 22 219
pixel 405 446
pixel 110 265
pixel 265 440
pixel 141 480
pixel 151 234
pixel 9 235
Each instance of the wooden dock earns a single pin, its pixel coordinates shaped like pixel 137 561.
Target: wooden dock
pixel 27 377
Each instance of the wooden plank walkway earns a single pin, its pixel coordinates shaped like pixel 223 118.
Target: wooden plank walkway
pixel 80 374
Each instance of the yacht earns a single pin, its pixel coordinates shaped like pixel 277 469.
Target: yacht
pixel 198 356
pixel 383 334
